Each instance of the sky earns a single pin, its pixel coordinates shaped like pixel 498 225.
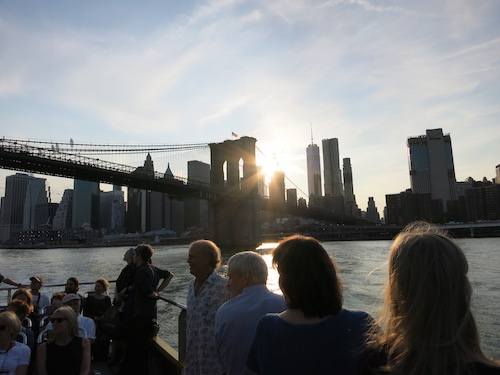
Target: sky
pixel 370 73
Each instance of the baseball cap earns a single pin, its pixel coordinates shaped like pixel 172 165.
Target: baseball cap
pixel 70 297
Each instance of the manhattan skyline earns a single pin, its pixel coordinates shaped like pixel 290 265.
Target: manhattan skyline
pixel 371 74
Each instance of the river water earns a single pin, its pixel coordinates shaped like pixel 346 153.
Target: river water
pixel 361 263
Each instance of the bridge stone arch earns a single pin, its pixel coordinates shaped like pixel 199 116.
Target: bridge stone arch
pixel 235 214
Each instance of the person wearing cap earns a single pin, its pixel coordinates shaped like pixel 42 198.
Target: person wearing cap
pixel 40 301
pixel 74 301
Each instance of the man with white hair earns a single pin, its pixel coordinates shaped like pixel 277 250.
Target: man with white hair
pixel 236 320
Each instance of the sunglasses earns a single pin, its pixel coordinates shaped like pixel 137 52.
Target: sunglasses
pixel 3 327
pixel 58 320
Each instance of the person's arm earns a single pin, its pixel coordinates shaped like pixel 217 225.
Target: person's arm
pixel 41 356
pixel 24 360
pixel 8 280
pixel 164 283
pixel 85 367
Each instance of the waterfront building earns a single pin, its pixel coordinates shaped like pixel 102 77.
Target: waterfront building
pixel 301 202
pixel 198 172
pixel 351 208
pixel 63 218
pixel 196 209
pixel 291 197
pixel 277 187
pixel 372 212
pixel 431 166
pixel 331 167
pixel 313 171
pixel 35 210
pixel 112 211
pixel 482 201
pixel 85 204
pixel 405 207
pixel 13 206
pixel 497 175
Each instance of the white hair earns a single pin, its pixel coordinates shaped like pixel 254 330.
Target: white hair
pixel 249 262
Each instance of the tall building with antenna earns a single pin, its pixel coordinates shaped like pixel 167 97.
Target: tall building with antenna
pixel 313 169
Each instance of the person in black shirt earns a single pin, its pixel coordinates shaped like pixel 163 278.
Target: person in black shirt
pixel 139 330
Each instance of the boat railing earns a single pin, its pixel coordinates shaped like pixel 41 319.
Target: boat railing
pixel 181 327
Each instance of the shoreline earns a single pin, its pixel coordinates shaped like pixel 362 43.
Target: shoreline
pixel 266 238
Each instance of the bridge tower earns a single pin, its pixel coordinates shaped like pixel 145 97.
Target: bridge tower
pixel 235 213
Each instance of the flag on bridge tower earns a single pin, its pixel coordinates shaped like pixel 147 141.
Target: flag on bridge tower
pixel 234 134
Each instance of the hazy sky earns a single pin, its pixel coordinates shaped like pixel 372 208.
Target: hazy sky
pixel 370 73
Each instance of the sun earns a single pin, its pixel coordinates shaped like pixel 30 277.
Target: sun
pixel 269 165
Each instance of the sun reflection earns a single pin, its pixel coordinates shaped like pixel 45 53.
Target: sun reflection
pixel 273 276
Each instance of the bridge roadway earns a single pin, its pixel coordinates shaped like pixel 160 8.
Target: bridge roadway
pixel 23 157
pixel 19 156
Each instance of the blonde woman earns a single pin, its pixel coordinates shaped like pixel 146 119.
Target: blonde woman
pixel 426 325
pixel 14 356
pixel 65 353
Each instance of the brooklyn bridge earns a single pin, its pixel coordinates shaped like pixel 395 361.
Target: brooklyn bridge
pixel 235 206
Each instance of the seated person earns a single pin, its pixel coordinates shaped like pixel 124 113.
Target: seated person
pixel 96 305
pixel 73 300
pixel 40 300
pixel 98 302
pixel 55 303
pixel 26 296
pixel 65 352
pixel 16 355
pixel 22 310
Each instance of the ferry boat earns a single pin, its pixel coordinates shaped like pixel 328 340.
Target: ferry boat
pixel 164 358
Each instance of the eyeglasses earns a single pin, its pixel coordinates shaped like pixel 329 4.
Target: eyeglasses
pixel 58 320
pixel 3 327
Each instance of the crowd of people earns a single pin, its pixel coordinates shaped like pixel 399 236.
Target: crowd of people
pixel 237 326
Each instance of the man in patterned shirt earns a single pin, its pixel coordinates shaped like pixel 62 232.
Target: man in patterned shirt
pixel 207 292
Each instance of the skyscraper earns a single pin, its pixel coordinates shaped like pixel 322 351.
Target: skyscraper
pixel 372 212
pixel 431 166
pixel 313 170
pixel 36 196
pixel 277 187
pixel 86 204
pixel 63 219
pixel 331 166
pixel 351 208
pixel 13 205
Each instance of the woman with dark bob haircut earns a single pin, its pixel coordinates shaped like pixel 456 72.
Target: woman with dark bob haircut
pixel 426 325
pixel 314 335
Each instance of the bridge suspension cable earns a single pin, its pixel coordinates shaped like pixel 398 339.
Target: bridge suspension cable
pixel 101 149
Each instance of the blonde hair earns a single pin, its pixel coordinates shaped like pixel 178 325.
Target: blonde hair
pixel 103 282
pixel 12 322
pixel 68 313
pixel 426 321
